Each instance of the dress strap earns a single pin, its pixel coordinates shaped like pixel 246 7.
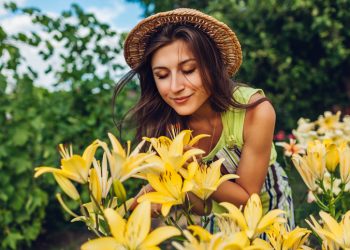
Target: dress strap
pixel 257 102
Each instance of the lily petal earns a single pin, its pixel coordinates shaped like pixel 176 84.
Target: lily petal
pixel 159 235
pixel 155 197
pixel 269 219
pixel 67 186
pixel 76 165
pixel 117 225
pixel 89 153
pixel 139 224
pixel 166 208
pixel 106 243
pixel 236 214
pixel 117 147
pixel 43 170
pixel 197 138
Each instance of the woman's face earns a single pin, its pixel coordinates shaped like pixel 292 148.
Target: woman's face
pixel 178 79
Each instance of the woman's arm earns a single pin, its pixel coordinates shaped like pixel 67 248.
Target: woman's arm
pixel 259 125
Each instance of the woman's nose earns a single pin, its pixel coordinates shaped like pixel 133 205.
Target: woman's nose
pixel 177 82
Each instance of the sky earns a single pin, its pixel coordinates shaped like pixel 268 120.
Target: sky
pixel 119 14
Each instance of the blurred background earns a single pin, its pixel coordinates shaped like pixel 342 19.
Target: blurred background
pixel 59 62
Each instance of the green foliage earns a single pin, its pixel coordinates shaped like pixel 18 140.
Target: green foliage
pixel 34 120
pixel 297 51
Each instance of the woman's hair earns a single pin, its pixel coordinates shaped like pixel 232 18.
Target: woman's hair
pixel 152 114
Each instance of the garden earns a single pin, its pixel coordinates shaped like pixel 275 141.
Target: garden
pixel 69 170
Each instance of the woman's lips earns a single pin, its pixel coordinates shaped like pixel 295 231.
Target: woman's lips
pixel 180 100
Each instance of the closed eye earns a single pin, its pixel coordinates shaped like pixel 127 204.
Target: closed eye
pixel 161 76
pixel 187 72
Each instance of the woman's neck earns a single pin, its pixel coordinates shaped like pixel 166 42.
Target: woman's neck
pixel 204 114
pixel 208 122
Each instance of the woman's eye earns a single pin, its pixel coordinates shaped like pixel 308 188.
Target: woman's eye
pixel 187 72
pixel 161 76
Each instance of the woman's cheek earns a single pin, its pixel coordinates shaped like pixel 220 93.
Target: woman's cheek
pixel 163 90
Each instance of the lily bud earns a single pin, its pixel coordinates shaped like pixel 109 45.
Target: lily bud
pixel 119 190
pixel 332 158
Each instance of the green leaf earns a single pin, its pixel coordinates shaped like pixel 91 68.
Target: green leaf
pixel 217 208
pixel 3 84
pixel 20 136
pixel 11 240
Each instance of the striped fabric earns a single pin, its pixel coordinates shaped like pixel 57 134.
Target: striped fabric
pixel 275 193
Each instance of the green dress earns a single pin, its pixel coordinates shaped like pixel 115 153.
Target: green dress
pixel 276 192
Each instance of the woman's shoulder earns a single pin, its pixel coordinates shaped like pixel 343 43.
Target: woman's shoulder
pixel 243 94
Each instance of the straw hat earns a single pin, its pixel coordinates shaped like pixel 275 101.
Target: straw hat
pixel 223 36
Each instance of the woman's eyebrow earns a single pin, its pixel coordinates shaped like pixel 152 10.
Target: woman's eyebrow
pixel 187 60
pixel 181 63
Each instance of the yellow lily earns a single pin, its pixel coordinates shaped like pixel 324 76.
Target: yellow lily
pixel 218 241
pixel 132 234
pixel 344 162
pixel 305 172
pixel 172 151
pixel 316 158
pixel 188 140
pixel 238 241
pixel 332 157
pixel 203 241
pixel 124 164
pixel 252 222
pixel 74 167
pixel 192 243
pixel 206 179
pixel 259 244
pixel 100 182
pixel 282 239
pixel 67 186
pixel 328 121
pixel 169 188
pixel 95 187
pixel 334 233
pixel 90 216
pixel 156 166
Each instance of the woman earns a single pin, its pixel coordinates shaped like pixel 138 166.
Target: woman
pixel 184 60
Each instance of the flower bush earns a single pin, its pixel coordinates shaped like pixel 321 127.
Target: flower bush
pixel 325 169
pixel 172 169
pixel 174 174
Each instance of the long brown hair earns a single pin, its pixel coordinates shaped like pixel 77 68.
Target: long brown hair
pixel 151 114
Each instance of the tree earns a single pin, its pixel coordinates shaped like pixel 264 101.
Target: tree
pixel 35 120
pixel 297 51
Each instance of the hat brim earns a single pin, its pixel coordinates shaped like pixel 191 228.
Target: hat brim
pixel 225 39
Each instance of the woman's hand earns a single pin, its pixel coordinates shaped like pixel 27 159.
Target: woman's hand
pixel 155 208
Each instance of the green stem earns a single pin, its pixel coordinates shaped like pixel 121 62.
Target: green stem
pixel 188 218
pixel 87 216
pixel 288 167
pixel 175 223
pixel 100 211
pixel 206 219
pixel 125 209
pixel 96 232
pixel 320 203
pixel 331 202
pixel 97 222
